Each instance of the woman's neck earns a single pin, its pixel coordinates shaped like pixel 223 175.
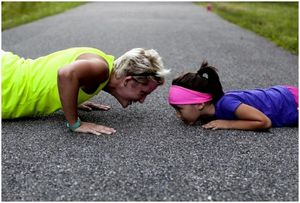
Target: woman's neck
pixel 112 84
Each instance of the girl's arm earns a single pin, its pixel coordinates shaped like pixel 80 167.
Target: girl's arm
pixel 87 74
pixel 249 117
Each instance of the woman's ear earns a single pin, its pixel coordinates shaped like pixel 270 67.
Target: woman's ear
pixel 126 80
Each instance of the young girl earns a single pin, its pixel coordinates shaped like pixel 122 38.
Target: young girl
pixel 200 95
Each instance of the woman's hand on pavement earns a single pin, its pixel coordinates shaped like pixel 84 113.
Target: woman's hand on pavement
pixel 93 128
pixel 89 106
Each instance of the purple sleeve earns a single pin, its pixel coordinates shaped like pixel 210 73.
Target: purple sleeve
pixel 226 107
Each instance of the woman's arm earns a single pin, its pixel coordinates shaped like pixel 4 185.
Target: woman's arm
pixel 249 117
pixel 86 74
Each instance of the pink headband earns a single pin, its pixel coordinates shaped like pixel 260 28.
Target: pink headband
pixel 181 95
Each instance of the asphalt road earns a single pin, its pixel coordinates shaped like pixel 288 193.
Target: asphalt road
pixel 153 156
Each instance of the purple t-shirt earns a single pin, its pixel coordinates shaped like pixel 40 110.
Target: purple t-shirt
pixel 276 102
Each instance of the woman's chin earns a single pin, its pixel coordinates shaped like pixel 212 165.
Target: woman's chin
pixel 125 104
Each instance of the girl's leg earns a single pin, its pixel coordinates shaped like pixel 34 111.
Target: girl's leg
pixel 295 92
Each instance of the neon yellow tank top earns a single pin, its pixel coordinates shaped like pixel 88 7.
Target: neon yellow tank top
pixel 29 87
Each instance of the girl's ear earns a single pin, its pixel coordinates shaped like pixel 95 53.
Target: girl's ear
pixel 200 106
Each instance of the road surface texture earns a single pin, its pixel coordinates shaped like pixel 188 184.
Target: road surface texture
pixel 153 156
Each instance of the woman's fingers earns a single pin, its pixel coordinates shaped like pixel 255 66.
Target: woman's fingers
pixel 90 106
pixel 95 129
pixel 104 129
pixel 84 107
pixel 94 132
pixel 101 107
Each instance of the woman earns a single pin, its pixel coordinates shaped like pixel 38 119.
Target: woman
pixel 66 79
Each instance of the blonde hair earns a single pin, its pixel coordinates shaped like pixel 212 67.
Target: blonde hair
pixel 142 65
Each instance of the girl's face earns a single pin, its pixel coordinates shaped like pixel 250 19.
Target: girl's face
pixel 188 113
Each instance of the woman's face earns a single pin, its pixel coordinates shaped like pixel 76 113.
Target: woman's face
pixel 188 113
pixel 132 91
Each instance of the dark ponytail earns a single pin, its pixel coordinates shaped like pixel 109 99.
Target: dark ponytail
pixel 205 80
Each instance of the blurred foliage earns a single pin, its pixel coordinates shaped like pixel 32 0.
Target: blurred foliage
pixel 17 13
pixel 277 21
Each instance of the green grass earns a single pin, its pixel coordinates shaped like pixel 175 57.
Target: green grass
pixel 276 21
pixel 17 13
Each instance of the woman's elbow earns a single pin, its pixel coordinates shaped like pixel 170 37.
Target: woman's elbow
pixel 64 75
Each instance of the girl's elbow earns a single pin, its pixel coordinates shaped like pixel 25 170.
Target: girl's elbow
pixel 266 123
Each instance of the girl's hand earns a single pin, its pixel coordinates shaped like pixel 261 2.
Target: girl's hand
pixel 95 129
pixel 248 118
pixel 217 124
pixel 89 106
